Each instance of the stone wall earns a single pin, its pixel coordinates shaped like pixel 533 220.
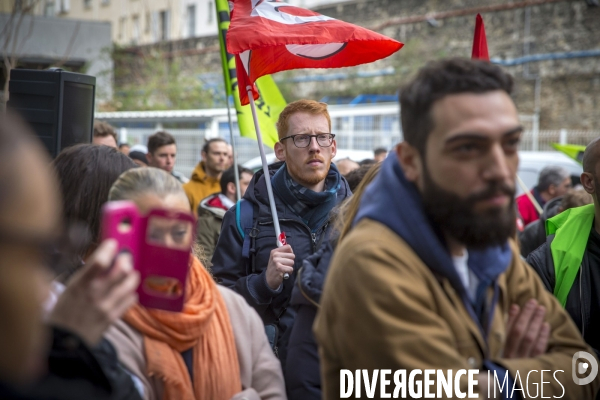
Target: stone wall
pixel 433 29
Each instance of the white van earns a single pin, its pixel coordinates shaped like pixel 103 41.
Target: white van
pixel 532 162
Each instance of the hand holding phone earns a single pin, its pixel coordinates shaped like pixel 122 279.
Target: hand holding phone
pixel 160 244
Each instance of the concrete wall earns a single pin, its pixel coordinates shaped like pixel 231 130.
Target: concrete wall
pixel 50 41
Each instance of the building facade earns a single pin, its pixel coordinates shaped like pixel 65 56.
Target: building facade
pixel 141 22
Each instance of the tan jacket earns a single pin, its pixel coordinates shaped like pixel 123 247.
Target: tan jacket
pixel 200 186
pixel 260 370
pixel 383 308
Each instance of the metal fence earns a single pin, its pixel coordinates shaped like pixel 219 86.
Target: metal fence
pixel 542 141
pixel 357 128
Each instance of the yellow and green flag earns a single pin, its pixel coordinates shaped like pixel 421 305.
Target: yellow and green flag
pixel 575 151
pixel 271 101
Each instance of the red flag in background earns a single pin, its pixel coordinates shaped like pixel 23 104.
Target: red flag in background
pixel 272 36
pixel 480 48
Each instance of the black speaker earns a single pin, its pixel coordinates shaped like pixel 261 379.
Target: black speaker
pixel 59 105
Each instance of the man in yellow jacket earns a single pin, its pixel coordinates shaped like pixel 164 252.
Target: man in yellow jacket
pixel 427 296
pixel 207 174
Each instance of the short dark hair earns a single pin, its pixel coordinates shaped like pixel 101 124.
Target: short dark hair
pixel 356 176
pixel 439 79
pixel 367 161
pixel 228 176
pixel 159 139
pixel 104 129
pixel 207 143
pixel 380 150
pixel 86 173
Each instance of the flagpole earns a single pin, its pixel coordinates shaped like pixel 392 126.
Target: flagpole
pixel 263 159
pixel 236 174
pixel 265 166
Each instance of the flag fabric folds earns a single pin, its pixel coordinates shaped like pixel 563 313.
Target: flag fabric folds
pixel 271 101
pixel 480 47
pixel 272 36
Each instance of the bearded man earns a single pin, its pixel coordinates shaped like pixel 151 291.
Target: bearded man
pixel 430 277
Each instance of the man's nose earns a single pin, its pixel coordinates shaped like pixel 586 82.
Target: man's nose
pixel 313 145
pixel 498 166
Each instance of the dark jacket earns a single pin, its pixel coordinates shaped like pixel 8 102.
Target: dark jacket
pixel 302 372
pixel 76 371
pixel 579 298
pixel 208 227
pixel 534 234
pixel 247 277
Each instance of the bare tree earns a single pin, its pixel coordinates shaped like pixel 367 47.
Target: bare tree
pixel 12 43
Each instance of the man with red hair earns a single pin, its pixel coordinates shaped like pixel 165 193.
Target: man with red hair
pixel 306 186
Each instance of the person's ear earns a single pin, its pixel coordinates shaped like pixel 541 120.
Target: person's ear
pixel 203 155
pixel 280 151
pixel 410 161
pixel 149 158
pixel 587 181
pixel 231 189
pixel 552 190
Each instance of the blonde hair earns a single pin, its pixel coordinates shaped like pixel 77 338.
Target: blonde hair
pixel 349 208
pixel 139 181
pixel 305 106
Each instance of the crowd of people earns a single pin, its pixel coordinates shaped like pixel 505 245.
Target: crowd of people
pixel 410 261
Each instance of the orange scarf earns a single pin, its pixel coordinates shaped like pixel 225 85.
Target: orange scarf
pixel 203 324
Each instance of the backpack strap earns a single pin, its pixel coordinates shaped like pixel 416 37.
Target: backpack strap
pixel 244 216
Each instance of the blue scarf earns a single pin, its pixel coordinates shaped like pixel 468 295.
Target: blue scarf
pixel 312 207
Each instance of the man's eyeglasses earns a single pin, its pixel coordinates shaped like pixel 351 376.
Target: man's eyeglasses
pixel 303 140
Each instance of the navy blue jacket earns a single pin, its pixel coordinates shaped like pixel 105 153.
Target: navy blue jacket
pixel 248 278
pixel 302 372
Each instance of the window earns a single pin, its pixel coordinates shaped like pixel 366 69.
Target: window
pixel 122 26
pixel 49 10
pixel 105 2
pixel 210 12
pixel 87 4
pixel 63 6
pixel 135 25
pixel 154 26
pixel 148 22
pixel 164 24
pixel 191 20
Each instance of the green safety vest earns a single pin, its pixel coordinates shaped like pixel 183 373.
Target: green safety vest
pixel 571 229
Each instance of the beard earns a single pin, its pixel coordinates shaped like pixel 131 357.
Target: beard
pixel 458 218
pixel 309 177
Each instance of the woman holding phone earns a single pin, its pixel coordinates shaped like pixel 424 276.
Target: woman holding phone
pixel 215 348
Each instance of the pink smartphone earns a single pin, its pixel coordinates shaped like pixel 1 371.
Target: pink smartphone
pixel 160 244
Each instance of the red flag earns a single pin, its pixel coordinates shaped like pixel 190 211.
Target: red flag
pixel 480 48
pixel 272 36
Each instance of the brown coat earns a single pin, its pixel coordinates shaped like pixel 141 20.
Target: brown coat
pixel 200 186
pixel 383 308
pixel 260 370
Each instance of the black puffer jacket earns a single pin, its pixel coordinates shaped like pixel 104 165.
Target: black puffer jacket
pixel 76 371
pixel 579 298
pixel 248 278
pixel 302 372
pixel 534 234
